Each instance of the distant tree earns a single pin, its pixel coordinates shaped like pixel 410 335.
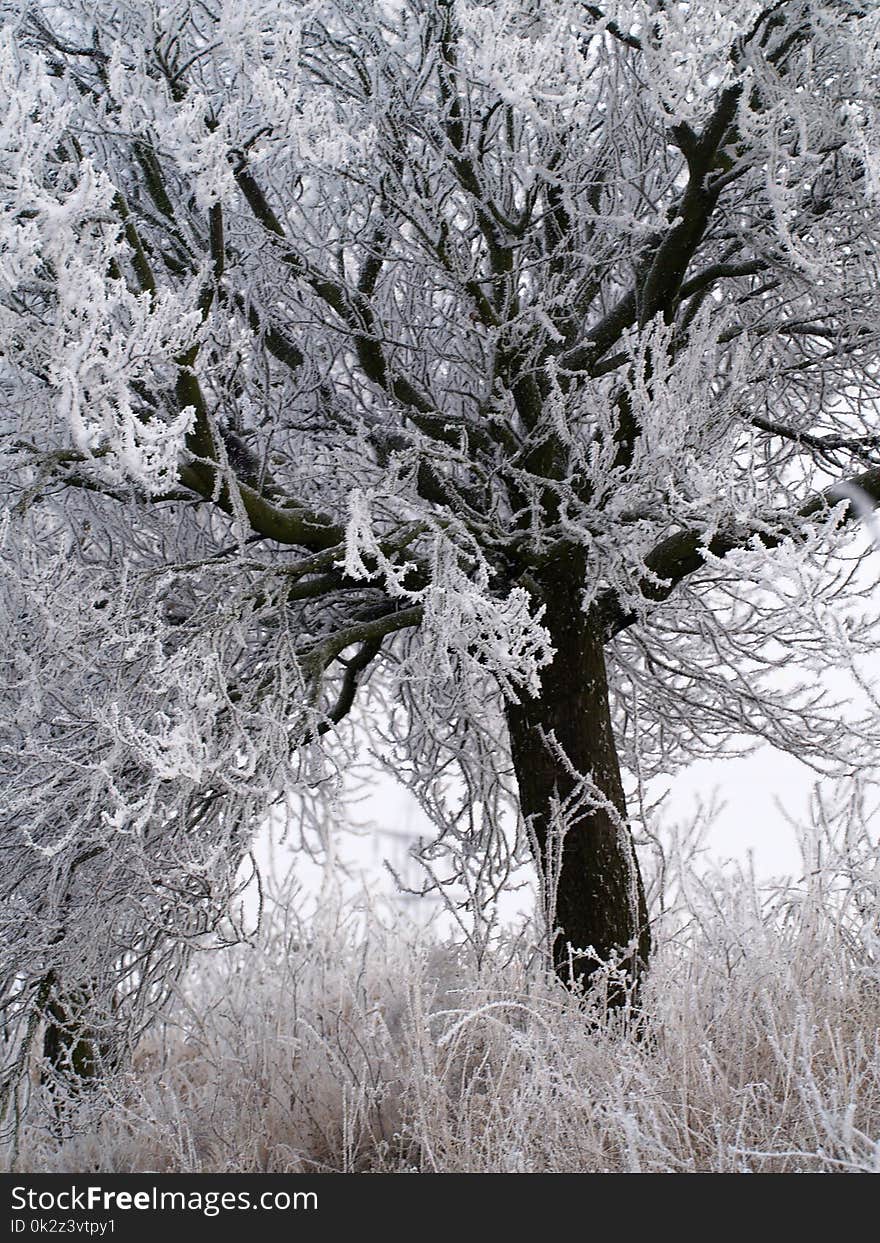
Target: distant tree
pixel 524 352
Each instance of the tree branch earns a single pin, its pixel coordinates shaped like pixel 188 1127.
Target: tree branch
pixel 684 553
pixel 285 523
pixel 354 667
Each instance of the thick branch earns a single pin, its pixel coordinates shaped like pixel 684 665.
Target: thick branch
pixel 283 523
pixel 682 554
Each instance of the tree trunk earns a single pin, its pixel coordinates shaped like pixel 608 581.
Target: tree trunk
pixel 593 888
pixel 72 1052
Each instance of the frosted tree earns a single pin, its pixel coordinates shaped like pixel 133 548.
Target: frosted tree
pixel 506 370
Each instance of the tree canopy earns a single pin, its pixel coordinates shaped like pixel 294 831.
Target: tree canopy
pixel 501 374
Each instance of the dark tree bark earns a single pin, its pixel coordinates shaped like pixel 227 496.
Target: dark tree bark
pixel 71 1051
pixel 598 908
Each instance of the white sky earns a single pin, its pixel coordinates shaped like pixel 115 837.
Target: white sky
pixel 751 824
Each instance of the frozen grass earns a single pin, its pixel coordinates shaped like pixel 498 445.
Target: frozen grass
pixel 328 1048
